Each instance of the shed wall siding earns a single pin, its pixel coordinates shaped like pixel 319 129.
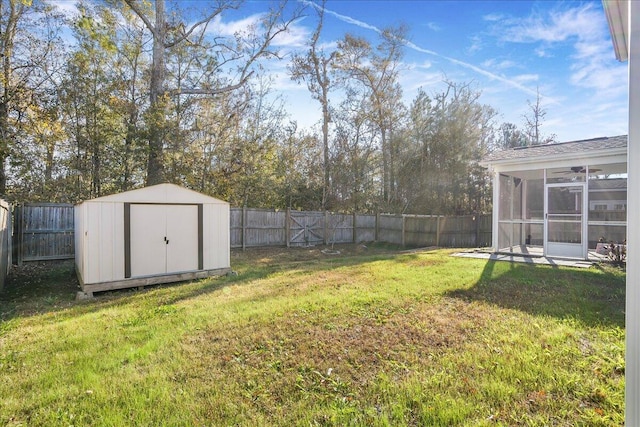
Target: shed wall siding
pixel 78 237
pixel 106 241
pixel 216 241
pixel 117 231
pixel 92 236
pixel 102 244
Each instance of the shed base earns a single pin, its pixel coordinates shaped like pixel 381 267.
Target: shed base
pixel 139 282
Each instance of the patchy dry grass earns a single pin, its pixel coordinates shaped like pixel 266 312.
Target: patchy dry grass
pixel 371 336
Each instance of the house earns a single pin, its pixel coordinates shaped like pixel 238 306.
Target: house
pixel 158 234
pixel 624 24
pixel 560 199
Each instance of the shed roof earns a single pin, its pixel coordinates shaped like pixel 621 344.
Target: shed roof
pixel 560 149
pixel 160 193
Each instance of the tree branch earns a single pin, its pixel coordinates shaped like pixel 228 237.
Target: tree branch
pixel 133 6
pixel 186 34
pixel 212 91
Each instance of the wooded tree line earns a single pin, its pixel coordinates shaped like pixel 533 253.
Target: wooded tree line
pixel 128 93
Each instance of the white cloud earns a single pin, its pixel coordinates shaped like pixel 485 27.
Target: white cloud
pixel 588 118
pixel 296 36
pixel 583 29
pixel 499 65
pixel 281 82
pixel 232 28
pixel 343 18
pixel 542 52
pixel 413 46
pixel 69 9
pixel 424 65
pixel 433 26
pixel 416 76
pixel 593 75
pixel 328 46
pixel 557 26
pixel 588 105
pixel 493 17
pixel 526 78
pixel 476 44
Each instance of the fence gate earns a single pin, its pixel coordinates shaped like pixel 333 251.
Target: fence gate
pixel 43 231
pixel 306 228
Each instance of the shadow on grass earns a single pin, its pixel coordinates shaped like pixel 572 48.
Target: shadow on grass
pixel 250 273
pixel 46 288
pixel 594 296
pixel 38 287
pixel 50 287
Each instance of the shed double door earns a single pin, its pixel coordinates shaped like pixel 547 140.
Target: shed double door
pixel 164 239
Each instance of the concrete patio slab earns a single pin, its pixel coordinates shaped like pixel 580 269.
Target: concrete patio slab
pixel 526 259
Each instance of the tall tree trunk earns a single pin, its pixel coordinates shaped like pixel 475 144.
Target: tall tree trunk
pixel 128 149
pixel 155 165
pixel 48 166
pixel 157 123
pixel 4 141
pixel 393 189
pixel 325 147
pixel 7 39
pixel 386 188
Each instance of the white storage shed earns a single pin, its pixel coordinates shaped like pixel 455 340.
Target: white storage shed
pixel 158 234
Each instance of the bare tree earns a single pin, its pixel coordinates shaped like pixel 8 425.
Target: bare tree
pixel 354 156
pixel 168 32
pixel 533 122
pixel 27 35
pixel 376 69
pixel 314 68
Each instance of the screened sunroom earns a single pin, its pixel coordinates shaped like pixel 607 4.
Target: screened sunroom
pixel 559 200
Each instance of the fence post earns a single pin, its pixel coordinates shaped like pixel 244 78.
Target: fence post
pixel 438 230
pixel 403 239
pixel 20 225
pixel 244 227
pixel 491 231
pixel 325 230
pixel 287 227
pixel 377 232
pixel 9 238
pixel 354 232
pixel 476 218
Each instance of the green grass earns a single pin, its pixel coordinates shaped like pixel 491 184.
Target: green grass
pixel 368 337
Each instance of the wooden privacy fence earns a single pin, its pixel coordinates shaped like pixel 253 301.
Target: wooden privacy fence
pixel 260 227
pixel 5 241
pixel 45 231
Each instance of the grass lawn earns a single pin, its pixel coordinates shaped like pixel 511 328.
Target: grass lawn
pixel 369 337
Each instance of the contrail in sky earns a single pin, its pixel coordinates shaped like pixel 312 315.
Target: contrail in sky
pixel 417 48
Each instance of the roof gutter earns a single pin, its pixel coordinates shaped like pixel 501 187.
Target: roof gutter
pixel 563 157
pixel 617 12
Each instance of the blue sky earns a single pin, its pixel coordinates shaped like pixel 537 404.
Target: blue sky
pixel 506 49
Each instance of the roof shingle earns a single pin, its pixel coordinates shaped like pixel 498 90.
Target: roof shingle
pixel 559 148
